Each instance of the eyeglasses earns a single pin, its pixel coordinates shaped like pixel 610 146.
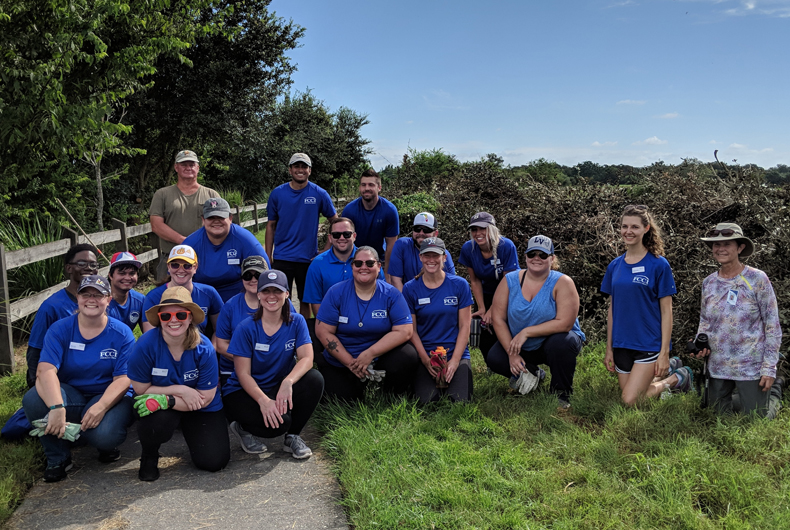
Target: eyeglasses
pixel 368 263
pixel 532 253
pixel 180 315
pixel 250 275
pixel 337 235
pixel 423 229
pixel 82 264
pixel 86 295
pixel 727 232
pixel 176 265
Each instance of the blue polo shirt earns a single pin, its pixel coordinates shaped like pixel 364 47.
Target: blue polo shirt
pixel 436 311
pixel 59 305
pixel 205 296
pixel 374 225
pixel 507 260
pixel 297 213
pixel 325 271
pixel 405 260
pixel 88 365
pixel 342 307
pixel 272 356
pixel 130 313
pixel 152 362
pixel 220 265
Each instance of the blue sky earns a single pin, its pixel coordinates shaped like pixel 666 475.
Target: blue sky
pixel 615 82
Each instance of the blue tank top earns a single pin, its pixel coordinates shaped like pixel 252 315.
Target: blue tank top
pixel 522 313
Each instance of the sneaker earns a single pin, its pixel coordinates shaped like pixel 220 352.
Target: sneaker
pixel 685 379
pixel 249 443
pixel 57 472
pixel 149 468
pixel 294 444
pixel 107 457
pixel 563 405
pixel 675 364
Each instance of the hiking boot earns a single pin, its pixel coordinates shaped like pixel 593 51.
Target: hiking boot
pixel 249 443
pixel 108 457
pixel 57 472
pixel 294 444
pixel 685 379
pixel 149 468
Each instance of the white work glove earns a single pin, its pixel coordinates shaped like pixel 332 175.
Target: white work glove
pixel 525 383
pixel 373 375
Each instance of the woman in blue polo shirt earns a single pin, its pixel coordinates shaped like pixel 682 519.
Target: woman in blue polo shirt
pixel 173 370
pixel 487 257
pixel 441 308
pixel 363 321
pixel 81 378
pixel 270 393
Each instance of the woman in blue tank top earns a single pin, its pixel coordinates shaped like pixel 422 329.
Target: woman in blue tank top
pixel 535 322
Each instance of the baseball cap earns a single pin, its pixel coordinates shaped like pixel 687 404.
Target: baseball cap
pixel 186 156
pixel 184 252
pixel 482 219
pixel 96 281
pixel 216 207
pixel 425 219
pixel 540 243
pixel 432 244
pixel 124 258
pixel 254 263
pixel 300 157
pixel 273 278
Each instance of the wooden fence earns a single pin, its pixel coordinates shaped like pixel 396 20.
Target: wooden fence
pixel 120 234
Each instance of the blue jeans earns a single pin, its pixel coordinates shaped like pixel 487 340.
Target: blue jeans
pixel 109 434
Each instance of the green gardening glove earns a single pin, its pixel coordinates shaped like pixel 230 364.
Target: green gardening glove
pixel 148 403
pixel 72 429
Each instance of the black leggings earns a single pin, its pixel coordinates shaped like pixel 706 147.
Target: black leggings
pixel 400 364
pixel 487 335
pixel 240 407
pixel 460 388
pixel 558 351
pixel 206 434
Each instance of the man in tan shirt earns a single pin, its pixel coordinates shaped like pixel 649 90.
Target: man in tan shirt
pixel 176 210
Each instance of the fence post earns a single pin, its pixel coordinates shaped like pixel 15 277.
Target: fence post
pixel 255 214
pixel 6 332
pixel 153 240
pixel 237 216
pixel 123 244
pixel 68 233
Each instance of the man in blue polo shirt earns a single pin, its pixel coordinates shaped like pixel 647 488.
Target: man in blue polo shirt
pixel 405 262
pixel 375 217
pixel 126 304
pixel 294 209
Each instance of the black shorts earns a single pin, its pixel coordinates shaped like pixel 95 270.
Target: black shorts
pixel 294 270
pixel 625 358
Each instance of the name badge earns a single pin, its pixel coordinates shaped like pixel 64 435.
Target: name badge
pixel 423 301
pixel 495 262
pixel 635 270
pixel 342 320
pixel 76 346
pixel 732 297
pixel 159 371
pixel 261 347
pixel 233 261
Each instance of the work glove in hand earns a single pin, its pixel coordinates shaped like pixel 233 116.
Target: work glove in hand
pixel 525 383
pixel 72 429
pixel 148 403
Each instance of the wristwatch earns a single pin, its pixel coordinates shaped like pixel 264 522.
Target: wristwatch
pixel 171 402
pixel 55 407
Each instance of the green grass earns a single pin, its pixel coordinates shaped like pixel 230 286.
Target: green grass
pixel 512 462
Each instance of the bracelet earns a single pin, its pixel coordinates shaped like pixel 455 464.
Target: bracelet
pixel 55 407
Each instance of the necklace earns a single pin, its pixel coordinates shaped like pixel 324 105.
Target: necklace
pixel 362 312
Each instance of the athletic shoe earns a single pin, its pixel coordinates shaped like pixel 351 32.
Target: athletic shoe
pixel 108 457
pixel 149 468
pixel 685 379
pixel 57 472
pixel 249 443
pixel 294 444
pixel 675 364
pixel 563 405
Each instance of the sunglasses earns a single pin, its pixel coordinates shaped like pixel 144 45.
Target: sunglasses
pixel 635 207
pixel 180 316
pixel 423 229
pixel 347 235
pixel 532 253
pixel 82 264
pixel 250 275
pixel 727 232
pixel 368 263
pixel 175 265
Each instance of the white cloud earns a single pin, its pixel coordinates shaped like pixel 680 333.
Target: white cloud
pixel 736 146
pixel 767 8
pixel 669 116
pixel 653 140
pixel 604 144
pixel 713 142
pixel 631 102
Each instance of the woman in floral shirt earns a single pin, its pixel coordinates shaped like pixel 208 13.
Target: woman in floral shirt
pixel 740 316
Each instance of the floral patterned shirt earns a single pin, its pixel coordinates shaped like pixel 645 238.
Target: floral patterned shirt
pixel 741 319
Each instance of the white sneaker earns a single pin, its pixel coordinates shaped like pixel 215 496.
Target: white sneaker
pixel 249 442
pixel 294 444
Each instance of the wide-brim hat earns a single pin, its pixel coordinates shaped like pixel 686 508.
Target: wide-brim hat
pixel 736 235
pixel 176 296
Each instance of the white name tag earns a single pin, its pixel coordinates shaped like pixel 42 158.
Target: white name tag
pixel 342 320
pixel 261 347
pixel 635 270
pixel 159 371
pixel 76 346
pixel 732 297
pixel 233 261
pixel 423 301
pixel 495 261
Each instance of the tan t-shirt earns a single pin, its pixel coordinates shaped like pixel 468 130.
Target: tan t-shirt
pixel 181 212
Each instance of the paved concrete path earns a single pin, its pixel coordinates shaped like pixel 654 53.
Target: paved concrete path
pixel 271 491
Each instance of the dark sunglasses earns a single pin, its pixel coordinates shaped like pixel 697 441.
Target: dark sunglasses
pixel 423 229
pixel 727 232
pixel 82 264
pixel 532 253
pixel 175 266
pixel 347 235
pixel 249 275
pixel 180 316
pixel 368 263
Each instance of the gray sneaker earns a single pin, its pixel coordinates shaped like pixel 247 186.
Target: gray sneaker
pixel 294 444
pixel 249 442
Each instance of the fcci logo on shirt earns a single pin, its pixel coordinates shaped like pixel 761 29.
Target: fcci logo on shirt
pixel 309 200
pixel 232 253
pixel 290 344
pixel 108 354
pixel 191 375
pixel 380 313
pixel 644 280
pixel 451 300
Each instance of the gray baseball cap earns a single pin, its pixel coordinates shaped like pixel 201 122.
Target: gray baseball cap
pixel 541 243
pixel 186 156
pixel 254 263
pixel 216 207
pixel 300 157
pixel 432 244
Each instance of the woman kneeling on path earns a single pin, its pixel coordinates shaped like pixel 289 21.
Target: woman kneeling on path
pixel 174 371
pixel 535 321
pixel 81 381
pixel 268 393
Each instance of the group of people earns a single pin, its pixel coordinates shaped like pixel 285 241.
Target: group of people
pixel 223 343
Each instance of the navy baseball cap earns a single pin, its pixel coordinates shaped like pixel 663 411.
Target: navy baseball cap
pixel 482 219
pixel 96 281
pixel 273 278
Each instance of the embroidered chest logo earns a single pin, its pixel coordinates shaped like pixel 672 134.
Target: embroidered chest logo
pixel 109 353
pixel 232 253
pixel 134 316
pixel 309 200
pixel 290 344
pixel 451 300
pixel 191 375
pixel 644 280
pixel 379 313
